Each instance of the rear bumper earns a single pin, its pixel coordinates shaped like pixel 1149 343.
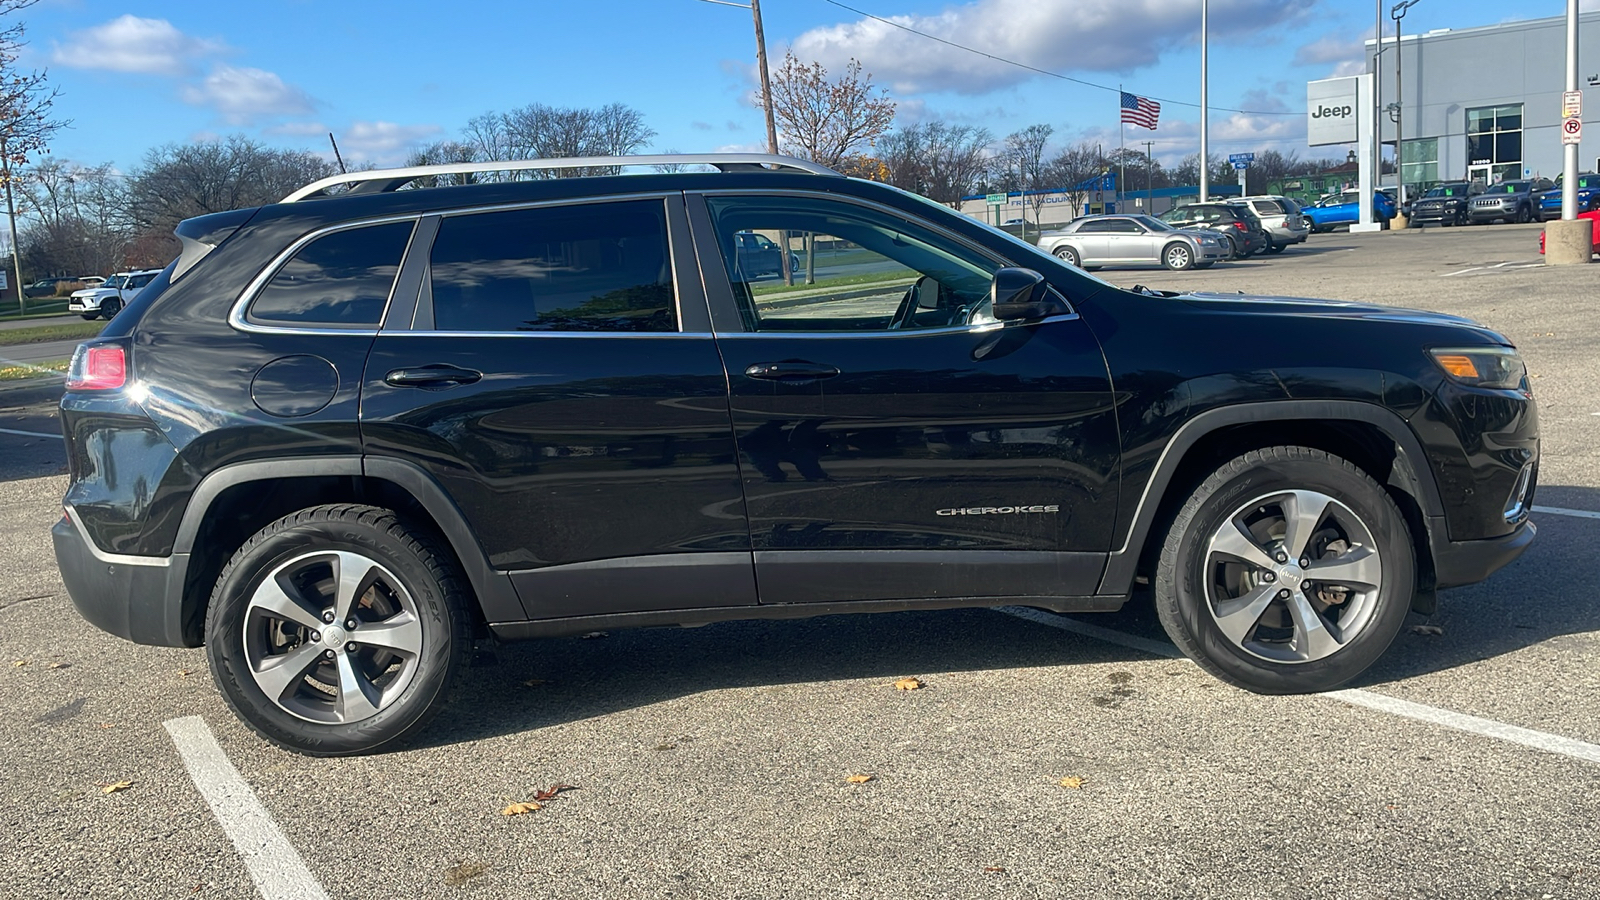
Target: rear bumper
pixel 1459 563
pixel 138 598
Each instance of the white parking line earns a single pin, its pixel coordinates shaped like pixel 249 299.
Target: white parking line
pixel 274 865
pixel 1527 737
pixel 29 433
pixel 1575 513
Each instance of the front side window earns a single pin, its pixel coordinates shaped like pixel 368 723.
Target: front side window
pixel 859 269
pixel 595 267
pixel 339 280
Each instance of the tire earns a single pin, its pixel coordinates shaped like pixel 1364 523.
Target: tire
pixel 1069 256
pixel 1231 250
pixel 109 309
pixel 409 591
pixel 1177 256
pixel 1524 215
pixel 1281 650
pixel 89 317
pixel 1275 248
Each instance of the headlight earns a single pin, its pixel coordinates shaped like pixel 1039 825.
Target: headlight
pixel 1499 368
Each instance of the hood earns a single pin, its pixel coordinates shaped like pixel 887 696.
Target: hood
pixel 1343 309
pixel 94 292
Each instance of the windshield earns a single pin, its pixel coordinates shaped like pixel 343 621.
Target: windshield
pixel 1153 223
pixel 1447 190
pixel 1584 181
pixel 115 281
pixel 1512 187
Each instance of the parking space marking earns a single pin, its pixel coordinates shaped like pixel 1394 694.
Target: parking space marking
pixel 1509 264
pixel 274 865
pixel 1559 511
pixel 29 433
pixel 1527 737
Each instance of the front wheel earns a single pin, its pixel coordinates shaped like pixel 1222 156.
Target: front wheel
pixel 1275 248
pixel 1289 570
pixel 1068 256
pixel 337 630
pixel 109 309
pixel 89 317
pixel 1177 257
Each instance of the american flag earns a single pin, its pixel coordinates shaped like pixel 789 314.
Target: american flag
pixel 1141 111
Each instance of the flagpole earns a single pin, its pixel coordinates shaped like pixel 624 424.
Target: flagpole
pixel 1122 150
pixel 1205 118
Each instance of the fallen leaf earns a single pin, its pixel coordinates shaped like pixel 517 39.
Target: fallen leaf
pixel 1426 629
pixel 552 791
pixel 537 682
pixel 597 634
pixel 113 788
pixel 18 663
pixel 675 746
pixel 1071 781
pixel 184 673
pixel 907 684
pixel 62 665
pixel 998 870
pixel 517 809
pixel 109 725
pixel 859 779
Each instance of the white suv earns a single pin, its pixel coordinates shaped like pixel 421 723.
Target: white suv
pixel 106 300
pixel 1281 218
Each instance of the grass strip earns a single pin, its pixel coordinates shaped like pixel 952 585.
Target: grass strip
pixel 33 370
pixel 58 332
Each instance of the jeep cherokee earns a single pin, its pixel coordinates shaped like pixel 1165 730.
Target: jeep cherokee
pixel 343 437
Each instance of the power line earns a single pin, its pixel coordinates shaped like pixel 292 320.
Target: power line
pixel 1039 71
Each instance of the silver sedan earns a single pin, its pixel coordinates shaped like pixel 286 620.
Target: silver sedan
pixel 1116 240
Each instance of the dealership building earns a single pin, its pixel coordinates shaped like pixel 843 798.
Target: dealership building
pixel 1485 103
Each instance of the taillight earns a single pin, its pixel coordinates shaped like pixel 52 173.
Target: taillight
pixel 98 367
pixel 1240 226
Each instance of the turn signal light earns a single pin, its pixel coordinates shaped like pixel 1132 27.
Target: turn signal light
pixel 1497 368
pixel 1458 366
pixel 98 367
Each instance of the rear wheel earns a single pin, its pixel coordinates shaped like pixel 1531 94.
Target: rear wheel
pixel 1068 256
pixel 1288 571
pixel 1275 247
pixel 337 630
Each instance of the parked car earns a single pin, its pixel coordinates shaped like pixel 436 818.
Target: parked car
pixel 1550 201
pixel 90 280
pixel 1134 240
pixel 1241 230
pixel 1344 208
pixel 1591 212
pixel 759 255
pixel 1508 201
pixel 108 299
pixel 1444 204
pixel 1281 218
pixel 43 288
pixel 342 438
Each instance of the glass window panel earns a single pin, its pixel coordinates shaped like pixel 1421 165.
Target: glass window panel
pixel 1480 120
pixel 339 280
pixel 1508 147
pixel 1508 118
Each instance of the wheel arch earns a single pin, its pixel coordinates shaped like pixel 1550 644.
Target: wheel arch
pixel 1372 437
pixel 233 503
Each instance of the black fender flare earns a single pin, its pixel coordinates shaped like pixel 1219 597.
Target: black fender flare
pixel 1411 472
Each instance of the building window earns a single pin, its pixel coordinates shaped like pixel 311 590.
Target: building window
pixel 1419 164
pixel 1494 141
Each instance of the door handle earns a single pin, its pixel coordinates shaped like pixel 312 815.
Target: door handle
pixel 791 370
pixel 428 376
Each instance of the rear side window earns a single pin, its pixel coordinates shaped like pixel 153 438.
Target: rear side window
pixel 1268 207
pixel 339 280
pixel 599 267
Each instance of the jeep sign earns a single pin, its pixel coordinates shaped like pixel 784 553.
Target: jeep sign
pixel 1331 111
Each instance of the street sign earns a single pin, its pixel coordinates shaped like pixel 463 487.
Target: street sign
pixel 996 199
pixel 1237 158
pixel 1241 165
pixel 1572 105
pixel 1572 131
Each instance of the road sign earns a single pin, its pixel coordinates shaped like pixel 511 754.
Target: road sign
pixel 1572 105
pixel 1237 158
pixel 996 199
pixel 1572 131
pixel 1241 165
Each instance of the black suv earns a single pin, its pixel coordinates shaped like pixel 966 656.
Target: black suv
pixel 1235 221
pixel 343 437
pixel 1444 204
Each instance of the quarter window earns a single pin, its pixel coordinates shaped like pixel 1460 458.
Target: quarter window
pixel 339 280
pixel 596 267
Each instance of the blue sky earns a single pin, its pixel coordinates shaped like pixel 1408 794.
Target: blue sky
pixel 386 76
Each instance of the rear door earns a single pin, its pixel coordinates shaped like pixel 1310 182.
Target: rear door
pixel 895 441
pixel 551 368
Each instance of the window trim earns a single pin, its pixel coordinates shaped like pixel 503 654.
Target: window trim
pixel 703 229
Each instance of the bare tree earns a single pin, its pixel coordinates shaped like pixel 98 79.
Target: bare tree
pixel 26 98
pixel 178 181
pixel 441 153
pixel 828 121
pixel 1024 160
pixel 76 225
pixel 1078 170
pixel 938 160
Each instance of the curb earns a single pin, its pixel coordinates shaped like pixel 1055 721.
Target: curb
pixel 32 390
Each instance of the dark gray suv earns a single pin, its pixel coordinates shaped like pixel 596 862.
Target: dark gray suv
pixel 1509 201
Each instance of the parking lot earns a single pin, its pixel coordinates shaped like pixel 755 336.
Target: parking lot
pixel 1045 756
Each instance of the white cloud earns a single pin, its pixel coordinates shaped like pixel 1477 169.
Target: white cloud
pixel 1085 35
pixel 243 96
pixel 383 143
pixel 131 44
pixel 1329 49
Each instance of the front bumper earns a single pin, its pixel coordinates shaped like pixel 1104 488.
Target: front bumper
pixel 1457 563
pixel 1490 213
pixel 138 598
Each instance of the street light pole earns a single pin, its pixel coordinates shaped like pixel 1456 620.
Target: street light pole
pixel 1205 108
pixel 1398 12
pixel 1150 177
pixel 1569 163
pixel 1377 94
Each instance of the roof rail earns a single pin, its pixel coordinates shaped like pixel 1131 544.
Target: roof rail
pixel 378 181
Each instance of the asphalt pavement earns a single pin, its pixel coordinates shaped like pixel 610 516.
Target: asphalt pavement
pixel 714 762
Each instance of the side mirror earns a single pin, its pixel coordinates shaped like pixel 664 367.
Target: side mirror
pixel 1022 294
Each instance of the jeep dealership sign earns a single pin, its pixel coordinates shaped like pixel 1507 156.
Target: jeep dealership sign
pixel 1331 111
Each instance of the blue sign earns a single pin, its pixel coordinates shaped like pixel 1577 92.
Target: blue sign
pixel 1241 166
pixel 1237 158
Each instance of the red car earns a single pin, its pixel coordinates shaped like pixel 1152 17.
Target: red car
pixel 1593 215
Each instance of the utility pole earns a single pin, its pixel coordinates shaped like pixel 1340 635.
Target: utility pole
pixel 11 217
pixel 1205 108
pixel 1569 166
pixel 1150 177
pixel 766 79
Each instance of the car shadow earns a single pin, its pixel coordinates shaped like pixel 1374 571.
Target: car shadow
pixel 1543 595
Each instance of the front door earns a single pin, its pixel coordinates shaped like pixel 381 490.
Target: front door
pixel 895 441
pixel 559 380
pixel 1480 174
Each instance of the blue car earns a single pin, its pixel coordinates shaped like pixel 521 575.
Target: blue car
pixel 1550 201
pixel 1345 209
